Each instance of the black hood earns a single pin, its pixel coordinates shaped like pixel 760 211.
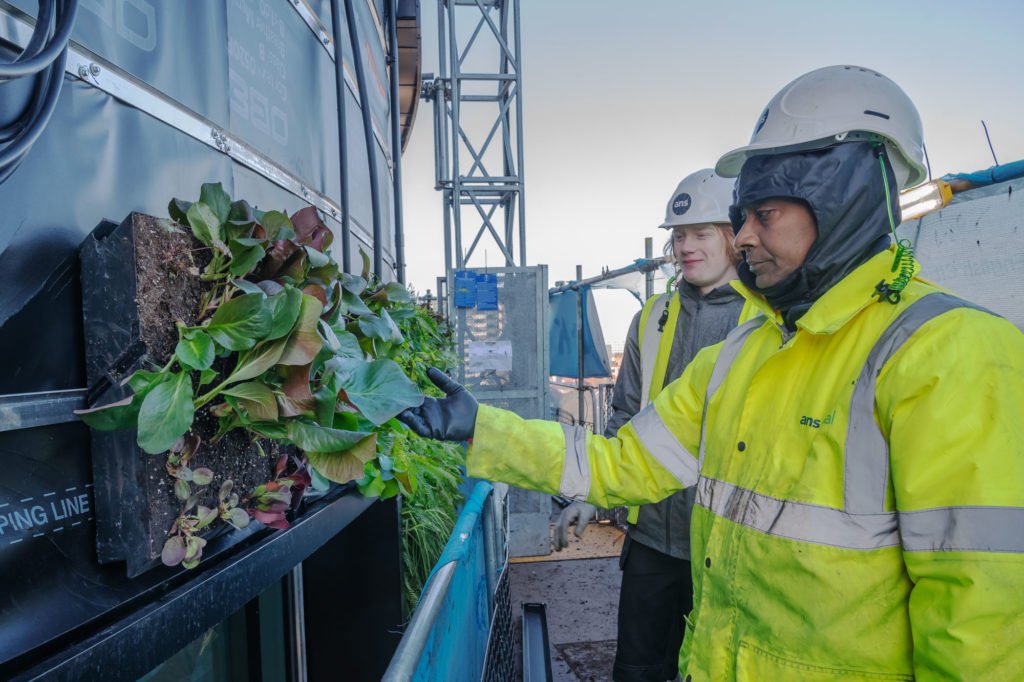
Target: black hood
pixel 843 187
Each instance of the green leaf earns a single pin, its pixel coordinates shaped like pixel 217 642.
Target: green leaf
pixel 204 223
pixel 246 286
pixel 178 210
pixel 207 376
pixel 353 283
pixel 120 415
pixel 241 322
pixel 392 291
pixel 342 467
pixel 195 350
pixel 273 430
pixel 284 311
pixel 142 380
pixel 213 195
pixel 366 264
pixel 353 304
pixel 382 327
pixel 241 212
pixel 304 342
pixel 379 388
pixel 238 518
pixel 206 516
pixel 317 480
pixel 326 401
pixel 277 226
pixel 245 258
pixel 397 293
pixel 348 345
pixel 258 360
pixel 255 398
pixel 371 485
pixel 166 413
pixel 182 490
pixel 315 438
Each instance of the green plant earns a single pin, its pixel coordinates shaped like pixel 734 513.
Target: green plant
pixel 286 347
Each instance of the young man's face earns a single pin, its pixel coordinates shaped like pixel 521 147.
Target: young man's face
pixel 702 255
pixel 775 238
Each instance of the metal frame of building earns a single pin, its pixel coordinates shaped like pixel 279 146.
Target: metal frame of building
pixel 494 201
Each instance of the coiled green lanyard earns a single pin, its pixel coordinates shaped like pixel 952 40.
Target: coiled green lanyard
pixel 904 260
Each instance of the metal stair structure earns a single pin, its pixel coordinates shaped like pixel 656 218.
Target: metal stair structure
pixel 478 142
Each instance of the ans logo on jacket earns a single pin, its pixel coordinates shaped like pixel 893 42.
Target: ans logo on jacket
pixel 816 423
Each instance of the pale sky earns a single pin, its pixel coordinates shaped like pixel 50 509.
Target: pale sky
pixel 623 99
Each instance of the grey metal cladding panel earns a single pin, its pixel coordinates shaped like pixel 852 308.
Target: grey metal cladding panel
pixel 282 90
pixel 177 47
pixel 118 160
pixel 975 248
pixel 322 8
pixel 375 68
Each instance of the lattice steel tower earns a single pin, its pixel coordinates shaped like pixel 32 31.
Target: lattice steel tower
pixel 477 100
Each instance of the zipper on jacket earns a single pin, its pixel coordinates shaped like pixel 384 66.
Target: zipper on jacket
pixel 786 335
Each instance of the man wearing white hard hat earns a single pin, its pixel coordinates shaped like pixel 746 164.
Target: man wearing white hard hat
pixel 858 451
pixel 657 592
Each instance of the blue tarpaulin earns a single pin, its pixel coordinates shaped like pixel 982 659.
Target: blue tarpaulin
pixel 990 176
pixel 563 339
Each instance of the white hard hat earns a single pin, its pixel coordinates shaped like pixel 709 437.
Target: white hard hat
pixel 701 197
pixel 837 104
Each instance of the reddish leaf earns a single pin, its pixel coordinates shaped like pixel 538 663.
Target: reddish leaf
pixel 297 399
pixel 272 519
pixel 316 291
pixel 309 229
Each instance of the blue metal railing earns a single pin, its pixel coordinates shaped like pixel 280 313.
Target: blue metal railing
pixel 448 636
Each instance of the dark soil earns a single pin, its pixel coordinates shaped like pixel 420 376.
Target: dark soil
pixel 168 263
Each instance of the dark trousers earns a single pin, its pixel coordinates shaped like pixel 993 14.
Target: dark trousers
pixel 657 592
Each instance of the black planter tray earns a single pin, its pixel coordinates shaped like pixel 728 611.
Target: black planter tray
pixel 138 278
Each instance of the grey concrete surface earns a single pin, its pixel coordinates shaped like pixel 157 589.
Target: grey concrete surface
pixel 582 607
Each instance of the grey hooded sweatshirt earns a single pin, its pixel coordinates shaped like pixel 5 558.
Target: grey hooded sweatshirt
pixel 703 321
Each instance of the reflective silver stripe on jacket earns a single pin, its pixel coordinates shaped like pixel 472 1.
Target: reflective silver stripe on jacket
pixel 576 470
pixel 863 522
pixel 797 520
pixel 963 529
pixel 664 447
pixel 726 356
pixel 867 452
pixel 649 346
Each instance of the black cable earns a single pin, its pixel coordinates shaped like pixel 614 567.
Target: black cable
pixel 371 152
pixel 44 59
pixel 41 33
pixel 396 144
pixel 339 73
pixel 34 64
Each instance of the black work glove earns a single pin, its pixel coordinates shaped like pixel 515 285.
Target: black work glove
pixel 450 418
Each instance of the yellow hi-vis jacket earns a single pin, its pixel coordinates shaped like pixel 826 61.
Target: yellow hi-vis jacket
pixel 860 487
pixel 655 339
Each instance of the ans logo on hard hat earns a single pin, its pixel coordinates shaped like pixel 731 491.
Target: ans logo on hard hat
pixel 761 121
pixel 681 204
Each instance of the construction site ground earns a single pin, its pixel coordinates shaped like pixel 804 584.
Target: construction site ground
pixel 580 588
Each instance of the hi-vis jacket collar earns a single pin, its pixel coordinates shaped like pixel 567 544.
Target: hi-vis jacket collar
pixel 841 303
